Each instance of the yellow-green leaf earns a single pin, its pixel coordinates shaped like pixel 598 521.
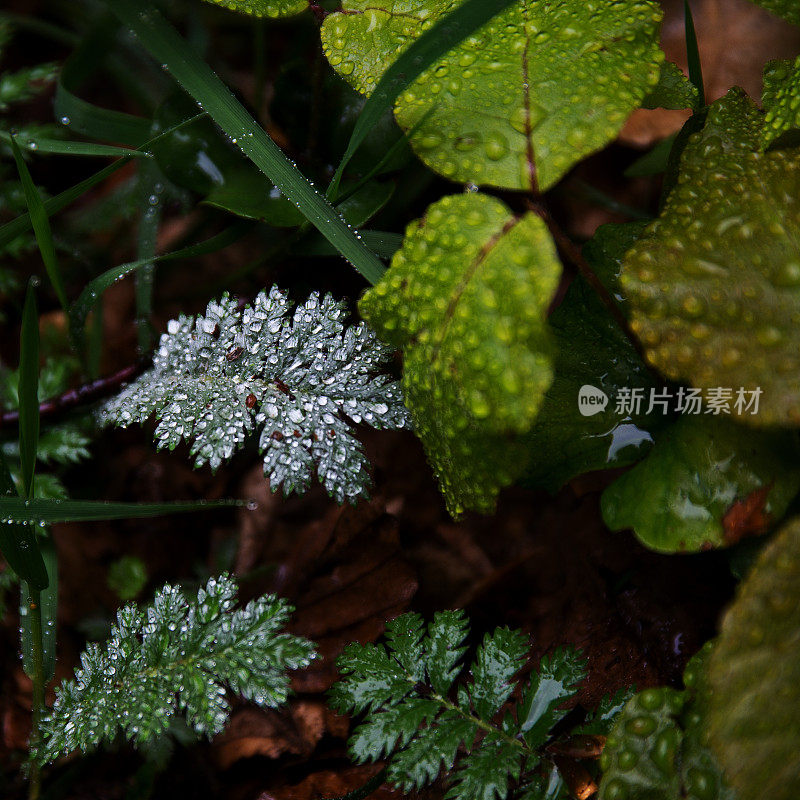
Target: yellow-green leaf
pixel 264 8
pixel 714 283
pixel 755 677
pixel 539 87
pixel 781 101
pixel 466 298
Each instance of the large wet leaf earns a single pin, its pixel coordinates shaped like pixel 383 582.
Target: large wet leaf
pixel 658 749
pixel 517 104
pixel 788 9
pixel 466 298
pixel 755 677
pixel 591 351
pixel 714 283
pixel 707 483
pixel 264 8
pixel 781 100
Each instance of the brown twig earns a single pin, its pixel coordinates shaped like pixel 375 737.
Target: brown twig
pixel 319 12
pixel 87 393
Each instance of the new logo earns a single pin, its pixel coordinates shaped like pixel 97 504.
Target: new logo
pixel 591 400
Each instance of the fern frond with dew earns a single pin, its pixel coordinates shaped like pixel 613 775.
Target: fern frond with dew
pixel 301 379
pixel 420 717
pixel 178 655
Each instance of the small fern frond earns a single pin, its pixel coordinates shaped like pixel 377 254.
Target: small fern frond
pixel 302 380
pixel 404 690
pixel 177 655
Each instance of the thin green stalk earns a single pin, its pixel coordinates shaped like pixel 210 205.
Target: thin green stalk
pixel 484 726
pixel 35 615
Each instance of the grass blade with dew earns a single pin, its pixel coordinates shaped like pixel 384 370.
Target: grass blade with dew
pixel 197 78
pixel 441 37
pixel 18 509
pixel 48 603
pixel 63 147
pixel 41 225
pixel 18 540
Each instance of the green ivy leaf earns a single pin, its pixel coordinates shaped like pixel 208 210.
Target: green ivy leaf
pixel 591 350
pixel 466 298
pixel 781 101
pixel 497 107
pixel 788 9
pixel 755 677
pixel 673 90
pixel 675 500
pixel 713 282
pixel 264 8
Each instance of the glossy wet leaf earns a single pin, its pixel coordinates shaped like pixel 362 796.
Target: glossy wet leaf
pixel 673 90
pixel 714 283
pixel 264 8
pixel 297 376
pixel 466 298
pixel 532 92
pixel 788 9
pixel 755 676
pixel 591 350
pixel 677 499
pixel 781 101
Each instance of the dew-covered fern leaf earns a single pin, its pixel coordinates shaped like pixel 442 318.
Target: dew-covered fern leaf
pixel 416 718
pixel 178 655
pixel 300 378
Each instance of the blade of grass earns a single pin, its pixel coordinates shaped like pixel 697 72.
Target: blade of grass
pixel 48 605
pixel 41 225
pixel 445 34
pixel 29 390
pixel 17 509
pixel 170 50
pixel 67 148
pixel 149 189
pixel 95 288
pixel 53 205
pixel 693 55
pixel 18 541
